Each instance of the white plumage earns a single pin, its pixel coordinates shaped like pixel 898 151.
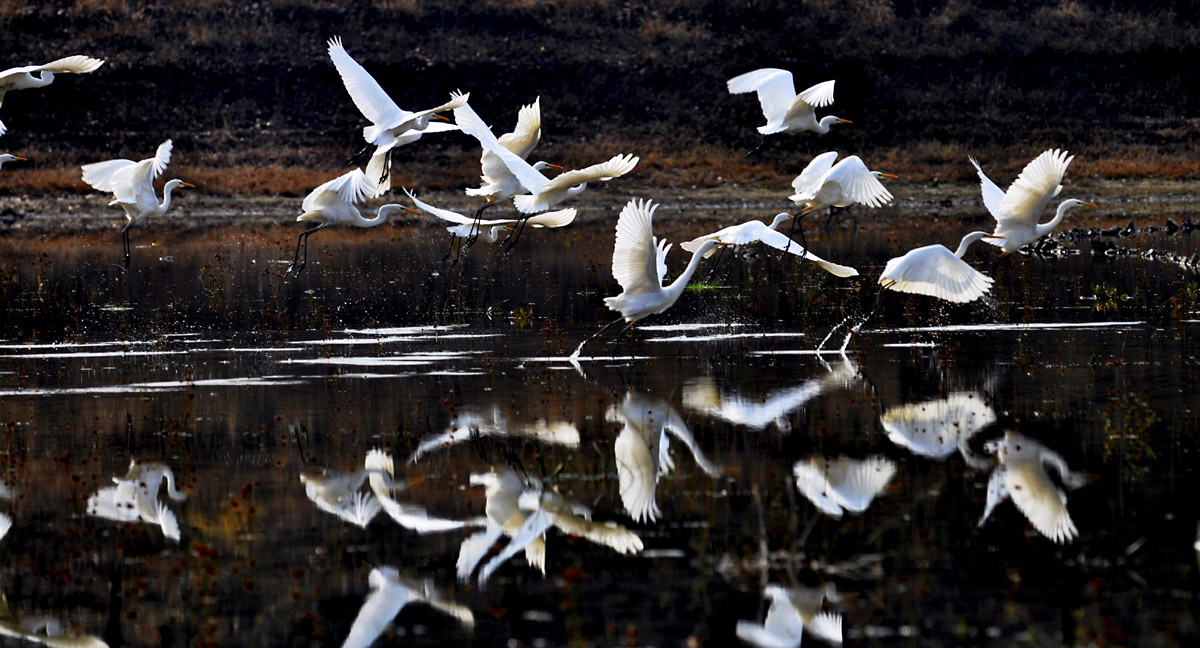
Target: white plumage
pixel 758 232
pixel 1021 475
pixel 936 271
pixel 837 485
pixel 824 184
pixel 20 78
pixel 785 110
pixel 1017 210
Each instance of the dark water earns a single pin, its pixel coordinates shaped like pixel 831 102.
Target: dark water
pixel 209 362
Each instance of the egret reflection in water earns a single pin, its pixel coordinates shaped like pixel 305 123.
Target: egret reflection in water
pixel 43 629
pixel 837 485
pixel 470 425
pixel 390 593
pixel 339 492
pixel 135 498
pixel 793 612
pixel 410 516
pixel 524 512
pixel 643 454
pixel 703 395
pixel 1021 475
pixel 937 428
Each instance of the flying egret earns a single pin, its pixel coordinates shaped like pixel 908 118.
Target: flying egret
pixel 824 184
pixel 1016 212
pixel 20 78
pixel 936 271
pixel 545 193
pixel 490 230
pixel 391 126
pixel 793 612
pixel 333 203
pixel 498 182
pixel 756 231
pixel 133 185
pixel 339 493
pixel 1021 474
pixel 837 485
pixel 786 111
pixel 642 451
pixel 390 593
pixel 504 518
pixel 639 263
pixel 9 157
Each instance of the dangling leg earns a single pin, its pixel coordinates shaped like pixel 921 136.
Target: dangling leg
pixel 510 241
pixel 453 238
pixel 303 237
pixel 594 335
pixel 475 227
pixel 716 264
pixel 803 212
pixel 760 143
pixel 620 335
pixel 125 243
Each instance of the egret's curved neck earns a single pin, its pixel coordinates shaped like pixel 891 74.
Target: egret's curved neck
pixel 1046 228
pixel 967 241
pixel 173 492
pixel 46 79
pixel 825 123
pixel 677 286
pixel 166 201
pixel 380 216
pixel 576 190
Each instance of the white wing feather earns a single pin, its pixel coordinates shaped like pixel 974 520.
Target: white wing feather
pixel 857 182
pixel 368 96
pixel 806 185
pixel 992 195
pixel 637 260
pixel 935 271
pixel 1038 183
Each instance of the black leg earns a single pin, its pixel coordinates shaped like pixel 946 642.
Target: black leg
pixel 760 143
pixel 475 224
pixel 620 335
pixel 450 249
pixel 595 335
pixel 510 241
pixel 295 269
pixel 125 244
pixel 716 264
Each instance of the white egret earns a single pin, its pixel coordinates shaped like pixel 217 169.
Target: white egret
pixel 793 612
pixel 639 263
pixel 938 427
pixel 757 231
pixel 133 185
pixel 333 203
pixel 390 593
pixel 1021 474
pixel 9 157
pixel 391 126
pixel 786 111
pixel 545 193
pixel 20 78
pixel 499 183
pixel 936 271
pixel 490 230
pixel 1016 212
pixel 824 184
pixel 504 518
pixel 837 485
pixel 642 451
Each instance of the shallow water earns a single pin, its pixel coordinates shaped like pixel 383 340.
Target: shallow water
pixel 205 359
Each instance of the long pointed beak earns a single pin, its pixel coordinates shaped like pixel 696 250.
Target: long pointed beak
pixel 17 157
pixel 188 184
pixel 890 175
pixel 992 236
pixel 1089 204
pixel 845 121
pixel 445 119
pixel 412 211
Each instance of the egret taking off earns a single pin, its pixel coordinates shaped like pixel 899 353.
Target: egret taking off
pixel 825 184
pixel 786 111
pixel 936 271
pixel 546 192
pixel 20 78
pixel 333 203
pixel 133 185
pixel 498 182
pixel 489 230
pixel 9 157
pixel 1016 212
pixel 391 126
pixel 757 231
pixel 639 263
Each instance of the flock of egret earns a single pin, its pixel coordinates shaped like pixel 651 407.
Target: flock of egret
pixel 639 257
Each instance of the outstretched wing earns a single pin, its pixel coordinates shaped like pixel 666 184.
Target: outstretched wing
pixel 131 182
pixel 819 95
pixel 558 218
pixel 812 177
pixel 365 91
pixel 637 263
pixel 774 87
pixel 615 167
pixel 100 174
pixel 1038 183
pixel 444 214
pixel 524 137
pixel 351 187
pixel 935 271
pixel 470 123
pixel 780 241
pixel 858 183
pixel 865 480
pixel 992 195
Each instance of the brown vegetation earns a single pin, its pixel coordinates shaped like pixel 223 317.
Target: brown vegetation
pixel 255 107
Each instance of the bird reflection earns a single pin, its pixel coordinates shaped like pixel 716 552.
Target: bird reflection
pixel 702 395
pixel 643 451
pixel 937 428
pixel 1021 474
pixel 524 514
pixel 843 484
pixel 793 611
pixel 471 426
pixel 42 629
pixel 389 594
pixel 380 469
pixel 6 493
pixel 340 493
pixel 135 498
